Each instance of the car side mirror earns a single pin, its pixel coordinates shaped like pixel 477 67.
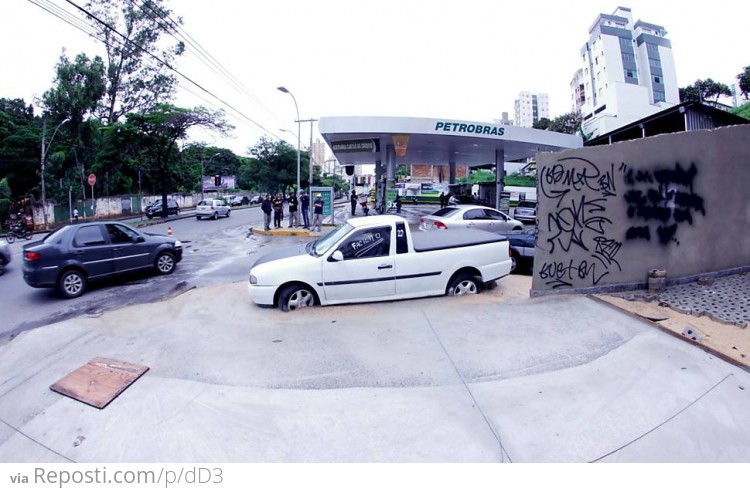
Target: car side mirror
pixel 140 239
pixel 337 256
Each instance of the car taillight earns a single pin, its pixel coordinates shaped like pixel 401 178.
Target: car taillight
pixel 32 255
pixel 440 225
pixel 212 205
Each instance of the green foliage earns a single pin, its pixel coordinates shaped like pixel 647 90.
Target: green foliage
pixel 744 79
pixel 478 176
pixel 742 111
pixel 273 167
pixel 704 90
pixel 567 123
pixel 136 81
pixel 518 180
pixel 542 123
pixel 20 138
pixel 78 89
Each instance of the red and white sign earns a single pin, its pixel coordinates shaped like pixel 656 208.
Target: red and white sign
pixel 92 179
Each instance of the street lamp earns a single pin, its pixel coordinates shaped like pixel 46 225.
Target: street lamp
pixel 44 158
pixel 299 128
pixel 203 171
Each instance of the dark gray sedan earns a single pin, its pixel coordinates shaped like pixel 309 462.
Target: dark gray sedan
pixel 76 254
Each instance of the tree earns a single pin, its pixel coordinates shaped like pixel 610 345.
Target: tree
pixel 273 166
pixel 154 137
pixel 744 79
pixel 703 91
pixel 567 123
pixel 138 74
pixel 542 123
pixel 20 136
pixel 742 111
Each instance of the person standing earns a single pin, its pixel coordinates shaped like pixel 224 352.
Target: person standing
pixel 278 210
pixel 442 199
pixel 293 203
pixel 398 204
pixel 75 215
pixel 317 213
pixel 354 203
pixel 304 200
pixel 266 207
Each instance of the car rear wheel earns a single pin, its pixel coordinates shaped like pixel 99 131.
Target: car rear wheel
pixel 215 216
pixel 463 284
pixel 72 284
pixel 513 262
pixel 198 217
pixel 228 212
pixel 165 263
pixel 294 297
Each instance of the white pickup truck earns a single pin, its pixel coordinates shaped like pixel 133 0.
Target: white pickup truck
pixel 377 258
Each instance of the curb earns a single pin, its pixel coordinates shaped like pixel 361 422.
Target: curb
pixel 292 232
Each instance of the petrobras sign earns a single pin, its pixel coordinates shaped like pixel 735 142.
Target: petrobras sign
pixel 469 128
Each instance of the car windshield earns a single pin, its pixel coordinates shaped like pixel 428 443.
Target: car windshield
pixel 445 212
pixel 204 202
pixel 322 245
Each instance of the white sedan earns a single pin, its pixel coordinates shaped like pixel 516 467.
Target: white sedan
pixel 469 217
pixel 212 208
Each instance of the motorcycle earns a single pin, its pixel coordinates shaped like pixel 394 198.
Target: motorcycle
pixel 17 231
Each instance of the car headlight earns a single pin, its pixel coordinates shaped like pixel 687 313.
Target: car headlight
pixel 178 244
pixel 253 279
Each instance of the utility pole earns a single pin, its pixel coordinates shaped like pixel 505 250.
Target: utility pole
pixel 310 175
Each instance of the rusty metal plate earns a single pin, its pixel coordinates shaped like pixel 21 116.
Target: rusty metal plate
pixel 99 381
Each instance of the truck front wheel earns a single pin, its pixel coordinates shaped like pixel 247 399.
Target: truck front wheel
pixel 295 296
pixel 463 284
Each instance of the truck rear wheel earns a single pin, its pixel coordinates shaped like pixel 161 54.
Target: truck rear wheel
pixel 463 284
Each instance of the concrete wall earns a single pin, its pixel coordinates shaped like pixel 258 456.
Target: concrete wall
pixel 609 214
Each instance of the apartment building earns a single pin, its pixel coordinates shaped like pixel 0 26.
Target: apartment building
pixel 530 107
pixel 627 72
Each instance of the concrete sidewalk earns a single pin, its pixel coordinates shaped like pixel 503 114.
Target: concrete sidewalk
pixel 496 377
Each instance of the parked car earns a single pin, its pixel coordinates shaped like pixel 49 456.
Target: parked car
pixel 239 200
pixel 77 254
pixel 212 208
pixel 154 209
pixel 377 258
pixel 256 199
pixel 525 211
pixel 522 245
pixel 4 256
pixel 469 216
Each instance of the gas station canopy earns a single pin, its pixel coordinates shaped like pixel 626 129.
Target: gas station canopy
pixel 357 140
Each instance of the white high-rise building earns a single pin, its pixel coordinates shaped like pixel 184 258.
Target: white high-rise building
pixel 530 107
pixel 627 73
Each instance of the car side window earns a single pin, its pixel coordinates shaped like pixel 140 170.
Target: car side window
pixel 89 236
pixel 367 243
pixel 493 214
pixel 402 246
pixel 120 234
pixel 473 214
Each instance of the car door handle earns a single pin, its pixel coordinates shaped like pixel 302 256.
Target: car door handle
pixel 383 267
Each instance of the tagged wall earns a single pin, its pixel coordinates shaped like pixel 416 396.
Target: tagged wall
pixel 609 214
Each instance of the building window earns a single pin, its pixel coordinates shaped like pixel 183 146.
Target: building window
pixel 654 63
pixel 652 48
pixel 630 74
pixel 628 57
pixel 659 96
pixel 625 42
pixel 657 79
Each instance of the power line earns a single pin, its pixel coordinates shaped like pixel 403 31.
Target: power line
pixel 76 22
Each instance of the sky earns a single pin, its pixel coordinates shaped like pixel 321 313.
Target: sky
pixel 466 59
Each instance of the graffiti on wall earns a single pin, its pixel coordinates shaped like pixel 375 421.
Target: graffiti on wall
pixel 579 232
pixel 579 222
pixel 665 196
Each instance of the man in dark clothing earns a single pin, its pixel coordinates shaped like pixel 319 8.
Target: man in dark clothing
pixel 398 204
pixel 293 221
pixel 304 201
pixel 442 199
pixel 266 207
pixel 317 213
pixel 278 210
pixel 354 203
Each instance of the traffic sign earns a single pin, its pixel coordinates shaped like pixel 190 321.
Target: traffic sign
pixel 92 179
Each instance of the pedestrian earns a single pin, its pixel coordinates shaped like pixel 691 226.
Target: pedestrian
pixel 398 204
pixel 304 201
pixel 365 209
pixel 354 203
pixel 75 215
pixel 278 210
pixel 266 207
pixel 317 213
pixel 293 204
pixel 442 199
